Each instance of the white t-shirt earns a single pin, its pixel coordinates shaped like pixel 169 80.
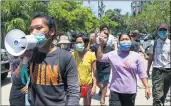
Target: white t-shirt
pixel 111 40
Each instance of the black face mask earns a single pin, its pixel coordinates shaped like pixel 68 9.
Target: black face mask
pixel 66 47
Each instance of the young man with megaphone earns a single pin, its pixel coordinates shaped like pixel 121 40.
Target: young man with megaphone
pixel 53 72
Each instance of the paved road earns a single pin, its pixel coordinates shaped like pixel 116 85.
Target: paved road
pixel 140 99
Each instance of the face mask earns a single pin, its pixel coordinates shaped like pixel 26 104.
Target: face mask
pixel 79 47
pixel 65 47
pixel 163 34
pixel 41 39
pixel 125 46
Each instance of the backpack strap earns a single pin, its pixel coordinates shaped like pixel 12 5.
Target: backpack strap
pixel 154 47
pixel 155 44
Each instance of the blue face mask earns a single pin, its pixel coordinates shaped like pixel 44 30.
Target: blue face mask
pixel 41 39
pixel 125 46
pixel 163 34
pixel 79 47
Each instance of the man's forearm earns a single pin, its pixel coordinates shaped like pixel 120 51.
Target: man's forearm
pixel 149 62
pixel 99 52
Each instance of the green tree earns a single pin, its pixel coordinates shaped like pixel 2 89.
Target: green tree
pixel 18 14
pixel 152 15
pixel 107 21
pixel 119 20
pixel 72 15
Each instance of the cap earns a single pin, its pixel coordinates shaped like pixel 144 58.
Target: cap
pixel 64 39
pixel 163 25
pixel 135 33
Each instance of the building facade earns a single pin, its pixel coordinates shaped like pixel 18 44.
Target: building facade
pixel 137 7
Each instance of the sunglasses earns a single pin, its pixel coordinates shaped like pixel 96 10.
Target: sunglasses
pixel 134 35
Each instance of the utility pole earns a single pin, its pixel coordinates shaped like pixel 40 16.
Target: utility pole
pixel 101 8
pixel 89 3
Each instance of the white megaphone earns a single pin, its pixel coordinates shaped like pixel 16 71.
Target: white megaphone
pixel 17 42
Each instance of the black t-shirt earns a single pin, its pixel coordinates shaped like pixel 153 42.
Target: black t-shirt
pixel 54 79
pixel 102 66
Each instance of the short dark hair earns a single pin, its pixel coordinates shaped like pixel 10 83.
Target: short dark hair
pixel 103 26
pixel 124 34
pixel 49 20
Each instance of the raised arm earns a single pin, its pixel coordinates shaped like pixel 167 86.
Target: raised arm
pixel 100 56
pixel 99 52
pixel 100 42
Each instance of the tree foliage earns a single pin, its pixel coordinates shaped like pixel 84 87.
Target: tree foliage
pixel 69 15
pixel 72 15
pixel 18 14
pixel 152 15
pixel 115 20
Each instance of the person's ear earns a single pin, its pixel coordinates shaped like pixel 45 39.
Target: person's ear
pixel 52 32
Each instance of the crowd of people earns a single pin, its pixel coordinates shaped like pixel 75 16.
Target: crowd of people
pixel 62 71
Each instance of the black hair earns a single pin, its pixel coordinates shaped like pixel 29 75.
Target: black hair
pixel 84 37
pixel 49 20
pixel 103 26
pixel 73 35
pixel 124 34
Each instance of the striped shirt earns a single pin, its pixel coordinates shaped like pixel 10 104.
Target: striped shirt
pixel 161 54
